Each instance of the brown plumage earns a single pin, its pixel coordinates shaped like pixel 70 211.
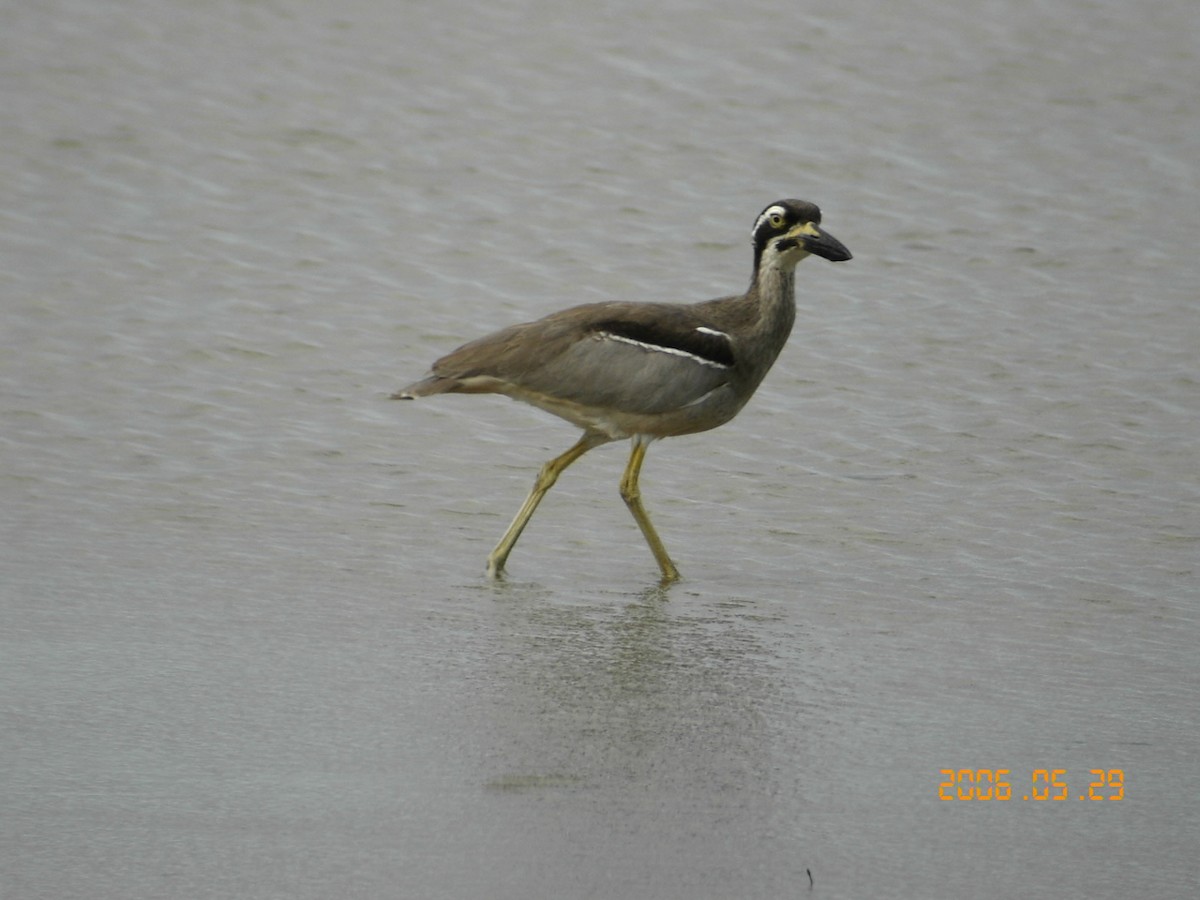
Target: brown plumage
pixel 642 370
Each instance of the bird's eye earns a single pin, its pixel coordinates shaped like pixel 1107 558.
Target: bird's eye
pixel 777 220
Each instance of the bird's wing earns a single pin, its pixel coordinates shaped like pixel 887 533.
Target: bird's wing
pixel 632 358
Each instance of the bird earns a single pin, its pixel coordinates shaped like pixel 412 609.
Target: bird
pixel 642 371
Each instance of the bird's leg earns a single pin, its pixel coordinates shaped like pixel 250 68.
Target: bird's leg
pixel 632 495
pixel 546 477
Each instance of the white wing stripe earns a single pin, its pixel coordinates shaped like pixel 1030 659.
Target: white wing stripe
pixel 658 348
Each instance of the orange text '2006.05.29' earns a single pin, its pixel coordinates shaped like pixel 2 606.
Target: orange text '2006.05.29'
pixel 1042 784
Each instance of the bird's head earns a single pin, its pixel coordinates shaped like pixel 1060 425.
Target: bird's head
pixel 789 230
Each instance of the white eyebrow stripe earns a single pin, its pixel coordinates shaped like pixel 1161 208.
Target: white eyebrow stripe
pixel 766 215
pixel 705 330
pixel 673 351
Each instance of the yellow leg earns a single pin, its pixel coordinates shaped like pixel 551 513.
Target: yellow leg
pixel 632 495
pixel 545 480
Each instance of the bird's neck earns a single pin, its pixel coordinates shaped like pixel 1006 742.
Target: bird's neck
pixel 774 293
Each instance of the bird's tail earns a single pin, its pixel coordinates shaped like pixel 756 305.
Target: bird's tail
pixel 433 384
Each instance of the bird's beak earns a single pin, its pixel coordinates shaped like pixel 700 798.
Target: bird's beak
pixel 815 240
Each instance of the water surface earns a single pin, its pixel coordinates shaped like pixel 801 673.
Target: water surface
pixel 247 645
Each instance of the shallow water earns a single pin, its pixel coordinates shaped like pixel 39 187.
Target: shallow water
pixel 247 646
